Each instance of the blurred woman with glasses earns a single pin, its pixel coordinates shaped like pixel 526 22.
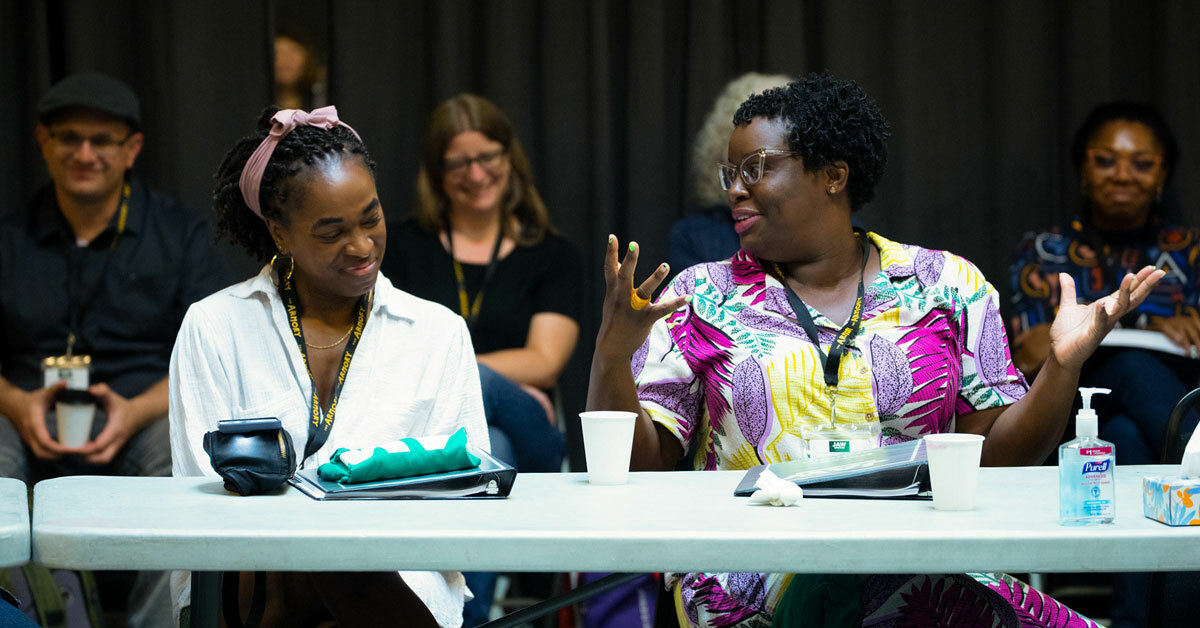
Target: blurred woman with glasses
pixel 1125 155
pixel 480 242
pixel 816 337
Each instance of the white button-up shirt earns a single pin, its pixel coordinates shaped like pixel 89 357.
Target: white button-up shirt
pixel 414 374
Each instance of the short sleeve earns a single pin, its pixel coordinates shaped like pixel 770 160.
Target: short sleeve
pixel 667 387
pixel 988 378
pixel 558 291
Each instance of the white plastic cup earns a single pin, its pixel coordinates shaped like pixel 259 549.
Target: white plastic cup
pixel 74 410
pixel 607 445
pixel 954 469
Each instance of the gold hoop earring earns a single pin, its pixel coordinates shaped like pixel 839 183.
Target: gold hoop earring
pixel 291 266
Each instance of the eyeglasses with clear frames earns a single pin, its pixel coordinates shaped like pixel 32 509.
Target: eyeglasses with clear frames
pixel 1103 159
pixel 751 167
pixel 489 161
pixel 103 145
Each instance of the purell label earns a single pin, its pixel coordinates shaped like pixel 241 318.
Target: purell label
pixel 1095 451
pixel 1097 467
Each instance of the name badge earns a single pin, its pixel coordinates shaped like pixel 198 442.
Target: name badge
pixel 840 438
pixel 73 369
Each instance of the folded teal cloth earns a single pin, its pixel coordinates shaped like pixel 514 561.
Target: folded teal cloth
pixel 400 459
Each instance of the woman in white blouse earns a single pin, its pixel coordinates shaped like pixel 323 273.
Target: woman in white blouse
pixel 320 321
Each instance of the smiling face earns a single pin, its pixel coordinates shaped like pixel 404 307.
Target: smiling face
pixel 1122 174
pixel 335 228
pixel 91 170
pixel 480 184
pixel 771 215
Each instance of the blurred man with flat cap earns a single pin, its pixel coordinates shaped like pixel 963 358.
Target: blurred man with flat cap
pixel 99 265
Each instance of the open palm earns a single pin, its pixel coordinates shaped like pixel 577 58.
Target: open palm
pixel 1078 328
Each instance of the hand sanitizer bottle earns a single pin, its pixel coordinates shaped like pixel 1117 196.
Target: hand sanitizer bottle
pixel 1086 481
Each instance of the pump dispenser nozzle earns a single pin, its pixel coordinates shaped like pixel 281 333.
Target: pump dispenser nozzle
pixel 1086 422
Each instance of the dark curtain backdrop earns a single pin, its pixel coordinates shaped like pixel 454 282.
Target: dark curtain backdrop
pixel 606 96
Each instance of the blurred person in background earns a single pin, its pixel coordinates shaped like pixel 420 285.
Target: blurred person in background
pixel 96 264
pixel 299 73
pixel 1125 154
pixel 707 235
pixel 480 241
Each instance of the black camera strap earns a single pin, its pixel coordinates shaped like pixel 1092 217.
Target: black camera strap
pixel 321 424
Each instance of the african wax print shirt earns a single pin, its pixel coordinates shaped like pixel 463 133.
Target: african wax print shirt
pixel 1097 264
pixel 736 379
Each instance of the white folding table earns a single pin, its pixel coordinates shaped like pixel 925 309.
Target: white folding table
pixel 14 523
pixel 673 521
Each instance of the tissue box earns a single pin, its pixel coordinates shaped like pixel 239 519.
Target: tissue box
pixel 1172 500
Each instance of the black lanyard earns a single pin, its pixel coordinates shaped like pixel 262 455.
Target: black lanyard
pixel 468 309
pixel 833 360
pixel 320 426
pixel 79 307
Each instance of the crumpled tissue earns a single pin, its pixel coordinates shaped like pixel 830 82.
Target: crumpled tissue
pixel 773 491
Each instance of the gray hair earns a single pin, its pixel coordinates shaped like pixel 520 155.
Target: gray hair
pixel 712 140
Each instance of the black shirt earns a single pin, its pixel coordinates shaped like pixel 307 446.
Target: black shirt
pixel 129 301
pixel 544 277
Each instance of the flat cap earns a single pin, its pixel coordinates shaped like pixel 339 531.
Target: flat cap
pixel 92 90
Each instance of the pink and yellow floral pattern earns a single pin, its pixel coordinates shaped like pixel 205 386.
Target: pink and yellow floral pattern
pixel 736 379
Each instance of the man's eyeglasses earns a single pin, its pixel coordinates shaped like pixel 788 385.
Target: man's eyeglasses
pixel 1103 159
pixel 489 161
pixel 103 144
pixel 751 167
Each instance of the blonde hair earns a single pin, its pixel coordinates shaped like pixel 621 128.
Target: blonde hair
pixel 460 114
pixel 712 140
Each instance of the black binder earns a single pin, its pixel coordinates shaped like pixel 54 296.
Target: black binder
pixel 893 472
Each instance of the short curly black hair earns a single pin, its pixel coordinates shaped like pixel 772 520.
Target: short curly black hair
pixel 828 119
pixel 304 147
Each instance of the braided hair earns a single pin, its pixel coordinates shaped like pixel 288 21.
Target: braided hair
pixel 305 147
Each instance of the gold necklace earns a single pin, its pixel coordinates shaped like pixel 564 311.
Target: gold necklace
pixel 370 302
pixel 330 346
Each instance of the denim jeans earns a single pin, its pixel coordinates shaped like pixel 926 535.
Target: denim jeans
pixel 536 444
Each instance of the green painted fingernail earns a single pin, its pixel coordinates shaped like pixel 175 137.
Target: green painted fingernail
pixel 633 246
pixel 664 266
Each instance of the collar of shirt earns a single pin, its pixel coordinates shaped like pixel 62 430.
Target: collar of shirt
pixel 48 219
pixel 896 261
pixel 395 303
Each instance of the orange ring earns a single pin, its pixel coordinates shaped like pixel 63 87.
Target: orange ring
pixel 636 301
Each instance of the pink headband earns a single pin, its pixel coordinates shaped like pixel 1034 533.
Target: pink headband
pixel 283 122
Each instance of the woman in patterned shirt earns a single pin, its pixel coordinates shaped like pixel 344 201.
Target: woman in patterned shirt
pixel 722 366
